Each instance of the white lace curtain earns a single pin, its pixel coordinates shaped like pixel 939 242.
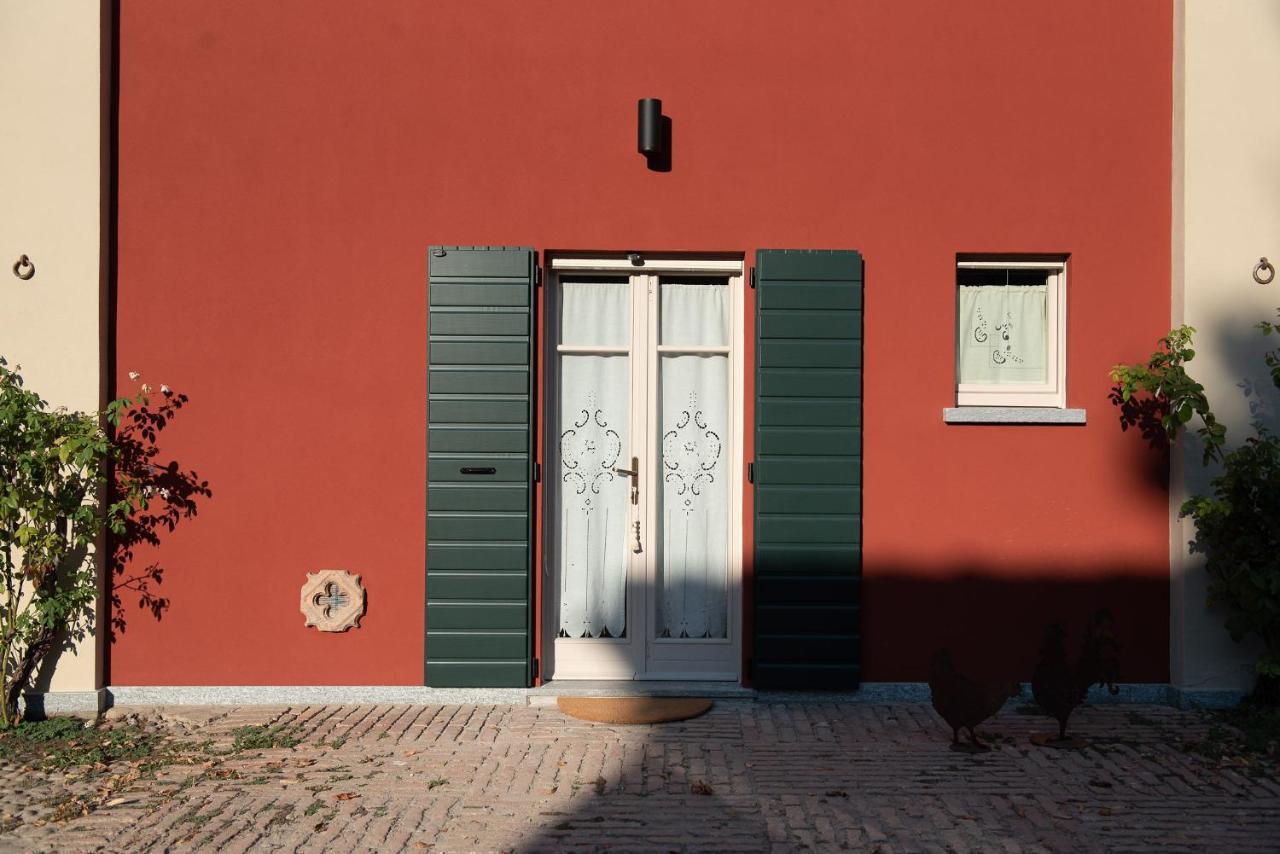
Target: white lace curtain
pixel 1002 333
pixel 692 597
pixel 595 390
pixel 594 538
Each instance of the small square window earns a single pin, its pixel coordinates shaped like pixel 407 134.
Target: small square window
pixel 1011 332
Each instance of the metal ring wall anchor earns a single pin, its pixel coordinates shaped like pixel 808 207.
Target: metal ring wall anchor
pixel 24 269
pixel 1263 272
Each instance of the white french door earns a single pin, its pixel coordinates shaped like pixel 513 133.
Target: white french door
pixel 645 425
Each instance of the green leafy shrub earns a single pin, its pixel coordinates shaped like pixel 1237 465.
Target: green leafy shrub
pixel 1238 525
pixel 56 500
pixel 1238 532
pixel 52 469
pixel 1160 398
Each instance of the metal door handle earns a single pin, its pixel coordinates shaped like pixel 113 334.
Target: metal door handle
pixel 634 474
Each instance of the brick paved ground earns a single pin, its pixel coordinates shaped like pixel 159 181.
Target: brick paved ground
pixel 745 777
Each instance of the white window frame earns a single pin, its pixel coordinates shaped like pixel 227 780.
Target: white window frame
pixel 1053 392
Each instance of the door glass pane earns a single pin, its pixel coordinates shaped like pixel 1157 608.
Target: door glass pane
pixel 594 502
pixel 1003 325
pixel 595 311
pixel 693 565
pixel 694 311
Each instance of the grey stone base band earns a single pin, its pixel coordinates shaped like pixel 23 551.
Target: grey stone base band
pixel 37 706
pixel 293 695
pixel 638 688
pixel 1183 698
pixel 918 692
pixel 870 692
pixel 1135 693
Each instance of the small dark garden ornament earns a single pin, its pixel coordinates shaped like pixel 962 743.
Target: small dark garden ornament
pixel 1059 686
pixel 963 702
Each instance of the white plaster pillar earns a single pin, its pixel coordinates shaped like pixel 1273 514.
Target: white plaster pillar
pixel 52 167
pixel 1226 214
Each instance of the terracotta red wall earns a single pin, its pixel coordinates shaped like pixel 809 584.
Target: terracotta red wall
pixel 284 165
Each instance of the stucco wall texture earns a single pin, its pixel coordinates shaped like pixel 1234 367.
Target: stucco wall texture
pixel 51 211
pixel 1226 159
pixel 284 167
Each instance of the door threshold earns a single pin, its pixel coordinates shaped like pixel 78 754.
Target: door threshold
pixel 545 694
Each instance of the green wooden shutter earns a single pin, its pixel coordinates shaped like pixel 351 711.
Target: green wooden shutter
pixel 480 396
pixel 808 469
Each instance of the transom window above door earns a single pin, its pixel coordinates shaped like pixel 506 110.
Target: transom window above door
pixel 644 386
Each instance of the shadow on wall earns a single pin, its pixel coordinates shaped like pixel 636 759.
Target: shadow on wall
pixel 994 625
pixel 899 616
pixel 1243 348
pixel 160 494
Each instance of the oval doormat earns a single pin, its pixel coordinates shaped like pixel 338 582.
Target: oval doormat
pixel 633 710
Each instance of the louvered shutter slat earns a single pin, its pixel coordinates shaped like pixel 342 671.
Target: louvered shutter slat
pixel 479 466
pixel 808 469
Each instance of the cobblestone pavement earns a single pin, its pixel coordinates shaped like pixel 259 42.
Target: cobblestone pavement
pixel 744 777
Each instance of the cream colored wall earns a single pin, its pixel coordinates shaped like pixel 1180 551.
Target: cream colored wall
pixel 50 210
pixel 1226 215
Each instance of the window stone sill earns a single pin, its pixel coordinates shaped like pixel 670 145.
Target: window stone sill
pixel 1012 415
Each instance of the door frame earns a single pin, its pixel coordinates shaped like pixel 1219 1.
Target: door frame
pixel 733 266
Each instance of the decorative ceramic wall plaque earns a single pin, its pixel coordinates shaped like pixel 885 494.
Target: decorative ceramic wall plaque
pixel 332 600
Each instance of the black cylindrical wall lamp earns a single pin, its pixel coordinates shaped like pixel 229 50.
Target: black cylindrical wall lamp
pixel 649 138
